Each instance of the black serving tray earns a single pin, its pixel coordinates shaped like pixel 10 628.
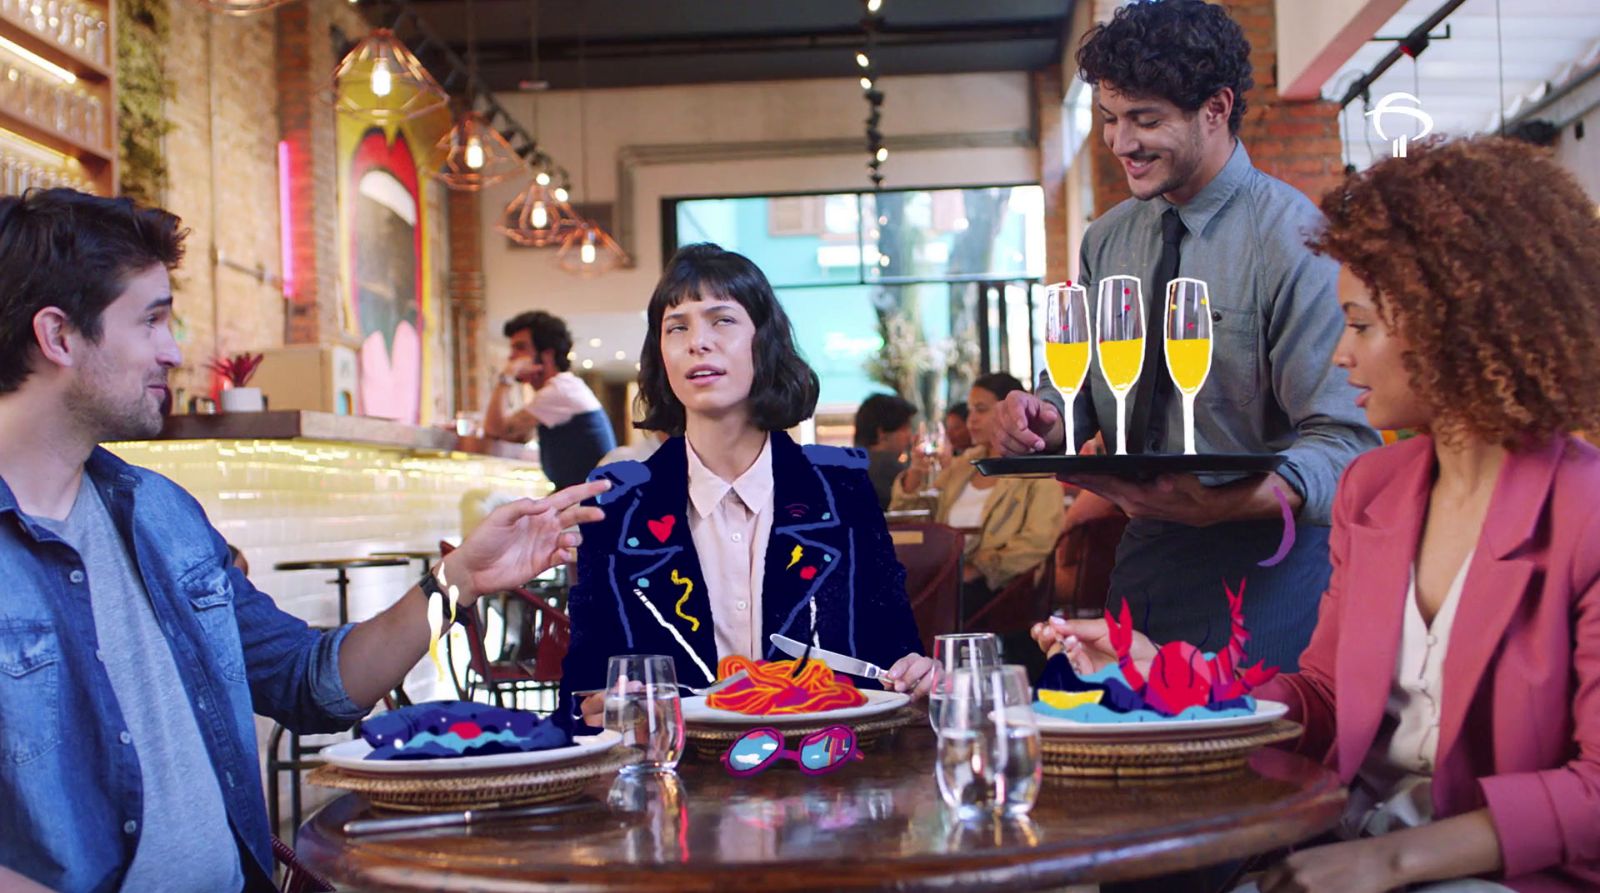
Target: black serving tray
pixel 1139 466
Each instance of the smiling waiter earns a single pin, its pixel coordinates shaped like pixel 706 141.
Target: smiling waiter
pixel 1170 79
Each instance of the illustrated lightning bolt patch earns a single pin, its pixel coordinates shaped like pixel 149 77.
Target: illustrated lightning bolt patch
pixel 794 557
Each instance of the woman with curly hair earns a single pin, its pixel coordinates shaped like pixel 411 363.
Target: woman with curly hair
pixel 1453 680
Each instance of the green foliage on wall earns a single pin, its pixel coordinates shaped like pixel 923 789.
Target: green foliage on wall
pixel 144 28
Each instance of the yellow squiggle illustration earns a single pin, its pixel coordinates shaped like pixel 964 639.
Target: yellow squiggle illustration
pixel 794 557
pixel 688 587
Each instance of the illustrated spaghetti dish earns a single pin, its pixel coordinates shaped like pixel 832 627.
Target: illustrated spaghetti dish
pixel 768 689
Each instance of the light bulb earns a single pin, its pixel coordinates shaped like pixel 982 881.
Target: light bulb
pixel 862 60
pixel 866 82
pixel 588 364
pixel 542 178
pixel 883 260
pixel 561 193
pixel 382 80
pixel 586 253
pixel 540 216
pixel 621 355
pixel 874 5
pixel 474 153
pixel 883 154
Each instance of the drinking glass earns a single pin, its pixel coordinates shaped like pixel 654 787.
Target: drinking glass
pixel 642 703
pixel 1066 347
pixel 990 761
pixel 1188 345
pixel 1121 337
pixel 954 652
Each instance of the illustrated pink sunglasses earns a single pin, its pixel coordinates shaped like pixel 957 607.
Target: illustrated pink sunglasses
pixel 819 753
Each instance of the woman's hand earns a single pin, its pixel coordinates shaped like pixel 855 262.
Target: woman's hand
pixel 913 673
pixel 1357 866
pixel 593 709
pixel 521 540
pixel 1087 644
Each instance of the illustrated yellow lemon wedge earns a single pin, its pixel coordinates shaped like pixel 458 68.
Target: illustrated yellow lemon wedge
pixel 1066 700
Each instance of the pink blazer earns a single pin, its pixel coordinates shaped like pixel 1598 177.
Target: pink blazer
pixel 1520 717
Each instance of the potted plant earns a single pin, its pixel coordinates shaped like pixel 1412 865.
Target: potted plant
pixel 237 369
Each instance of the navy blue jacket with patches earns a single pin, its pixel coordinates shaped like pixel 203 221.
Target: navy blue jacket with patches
pixel 626 603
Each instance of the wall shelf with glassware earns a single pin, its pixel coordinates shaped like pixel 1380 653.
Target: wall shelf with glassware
pixel 57 89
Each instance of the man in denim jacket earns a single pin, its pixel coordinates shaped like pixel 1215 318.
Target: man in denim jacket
pixel 132 653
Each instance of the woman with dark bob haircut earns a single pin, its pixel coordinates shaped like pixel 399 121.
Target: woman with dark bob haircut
pixel 731 532
pixel 1453 680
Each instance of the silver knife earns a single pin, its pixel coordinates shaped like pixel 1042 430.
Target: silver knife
pixel 839 663
pixel 359 827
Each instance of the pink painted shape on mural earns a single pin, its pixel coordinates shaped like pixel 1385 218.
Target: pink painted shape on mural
pixel 391 386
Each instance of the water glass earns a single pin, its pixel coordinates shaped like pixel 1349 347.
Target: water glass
pixel 642 703
pixel 990 760
pixel 956 651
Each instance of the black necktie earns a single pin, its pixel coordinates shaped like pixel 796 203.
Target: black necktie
pixel 1150 398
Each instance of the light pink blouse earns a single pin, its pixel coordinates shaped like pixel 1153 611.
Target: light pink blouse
pixel 730 524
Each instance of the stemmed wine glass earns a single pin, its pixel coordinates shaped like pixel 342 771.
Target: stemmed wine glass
pixel 932 443
pixel 1066 348
pixel 1121 348
pixel 1188 343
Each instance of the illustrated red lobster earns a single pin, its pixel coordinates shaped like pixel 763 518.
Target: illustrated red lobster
pixel 1180 675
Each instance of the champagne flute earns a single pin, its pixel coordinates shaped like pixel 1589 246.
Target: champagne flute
pixel 1188 333
pixel 1066 348
pixel 1121 348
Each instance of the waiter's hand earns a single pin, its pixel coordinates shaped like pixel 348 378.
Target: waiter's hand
pixel 1027 425
pixel 1182 499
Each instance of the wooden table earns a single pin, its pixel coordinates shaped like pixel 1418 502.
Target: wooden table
pixel 879 824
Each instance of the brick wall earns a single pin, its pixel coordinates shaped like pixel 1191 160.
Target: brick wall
pixel 1297 142
pixel 1048 94
pixel 224 185
pixel 466 299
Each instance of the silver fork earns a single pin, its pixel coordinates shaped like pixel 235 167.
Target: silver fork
pixel 719 685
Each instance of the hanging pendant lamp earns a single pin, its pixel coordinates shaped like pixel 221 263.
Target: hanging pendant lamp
pixel 474 155
pixel 589 250
pixel 383 81
pixel 538 217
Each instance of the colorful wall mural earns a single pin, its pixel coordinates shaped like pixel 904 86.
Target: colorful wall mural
pixel 392 236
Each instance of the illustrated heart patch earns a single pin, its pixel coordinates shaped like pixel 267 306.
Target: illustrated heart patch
pixel 661 528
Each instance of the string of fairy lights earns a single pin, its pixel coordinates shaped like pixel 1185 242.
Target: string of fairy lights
pixel 877 153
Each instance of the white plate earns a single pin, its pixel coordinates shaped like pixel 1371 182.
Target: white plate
pixel 351 755
pixel 878 703
pixel 1266 713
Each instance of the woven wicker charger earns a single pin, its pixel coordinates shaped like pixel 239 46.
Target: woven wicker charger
pixel 477 790
pixel 1109 758
pixel 710 741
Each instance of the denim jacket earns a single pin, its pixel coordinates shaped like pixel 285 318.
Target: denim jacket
pixel 70 790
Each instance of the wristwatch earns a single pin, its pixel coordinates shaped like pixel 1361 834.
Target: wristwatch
pixel 506 380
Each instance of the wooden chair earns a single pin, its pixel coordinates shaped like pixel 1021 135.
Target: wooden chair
pixel 1027 599
pixel 1083 565
pixel 297 878
pixel 931 554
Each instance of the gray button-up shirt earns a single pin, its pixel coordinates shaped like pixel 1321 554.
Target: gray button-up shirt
pixel 1276 318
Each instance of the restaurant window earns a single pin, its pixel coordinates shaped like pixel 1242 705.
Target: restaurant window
pixel 915 291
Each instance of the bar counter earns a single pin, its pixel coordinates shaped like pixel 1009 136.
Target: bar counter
pixel 298 486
